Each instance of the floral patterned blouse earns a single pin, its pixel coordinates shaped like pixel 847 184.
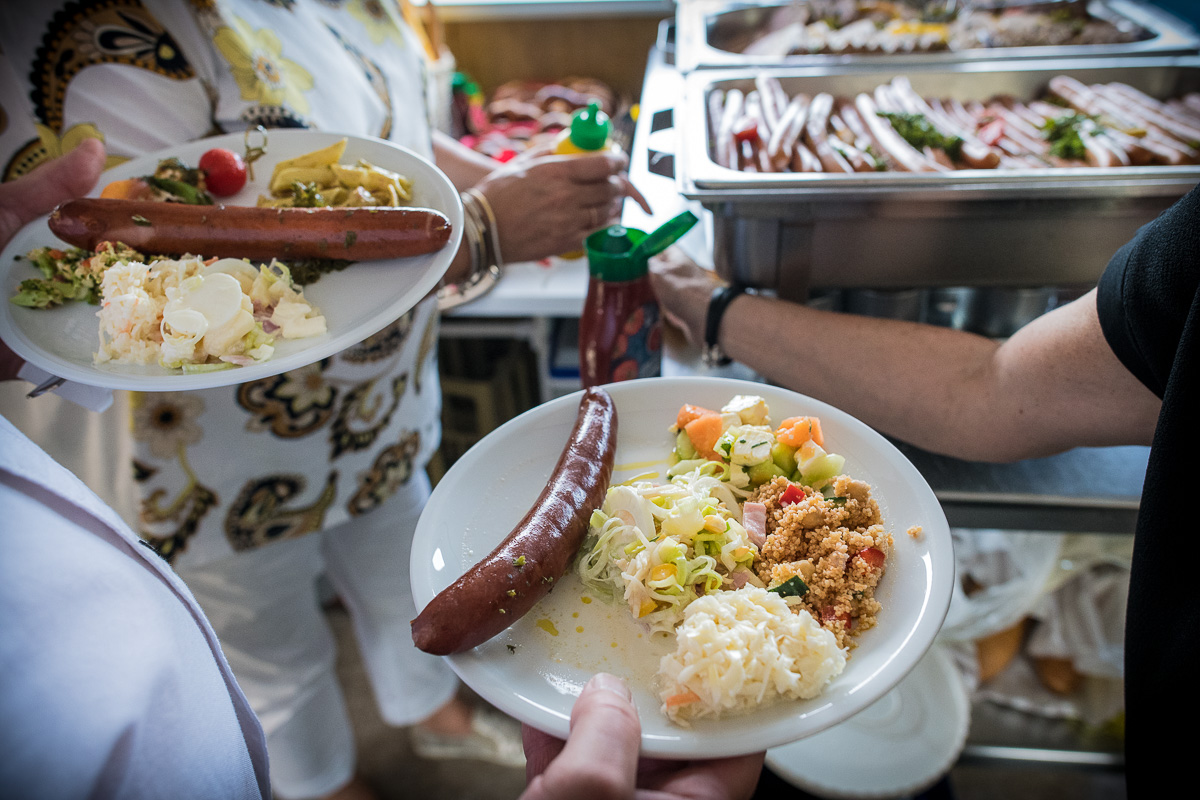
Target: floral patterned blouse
pixel 225 470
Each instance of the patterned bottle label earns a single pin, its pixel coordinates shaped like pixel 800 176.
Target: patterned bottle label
pixel 637 352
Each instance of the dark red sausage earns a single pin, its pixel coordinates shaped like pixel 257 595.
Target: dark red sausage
pixel 154 228
pixel 501 588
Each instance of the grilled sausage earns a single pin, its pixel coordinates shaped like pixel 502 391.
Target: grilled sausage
pixel 787 133
pixel 726 147
pixel 803 159
pixel 1156 113
pixel 904 157
pixel 522 569
pixel 975 154
pixel 816 135
pixel 355 234
pixel 770 93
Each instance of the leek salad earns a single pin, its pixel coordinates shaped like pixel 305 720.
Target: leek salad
pixel 658 547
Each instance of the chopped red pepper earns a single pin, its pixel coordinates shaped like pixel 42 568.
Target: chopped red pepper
pixel 873 557
pixel 829 615
pixel 792 494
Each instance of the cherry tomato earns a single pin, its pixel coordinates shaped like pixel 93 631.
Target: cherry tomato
pixel 224 171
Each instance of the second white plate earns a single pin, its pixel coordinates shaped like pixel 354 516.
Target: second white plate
pixel 535 669
pixel 357 301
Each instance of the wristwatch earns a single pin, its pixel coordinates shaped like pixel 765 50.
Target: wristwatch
pixel 722 296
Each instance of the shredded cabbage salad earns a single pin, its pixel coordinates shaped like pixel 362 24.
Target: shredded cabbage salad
pixel 659 547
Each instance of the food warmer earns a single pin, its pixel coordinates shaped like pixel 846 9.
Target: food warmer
pixel 1013 227
pixel 720 34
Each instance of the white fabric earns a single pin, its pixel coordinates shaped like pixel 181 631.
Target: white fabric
pixel 350 67
pixel 264 607
pixel 365 75
pixel 112 683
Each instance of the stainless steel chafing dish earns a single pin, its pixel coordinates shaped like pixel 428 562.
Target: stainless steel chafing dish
pixel 1014 227
pixel 712 33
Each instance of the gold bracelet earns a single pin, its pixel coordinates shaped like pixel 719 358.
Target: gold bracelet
pixel 493 228
pixel 485 273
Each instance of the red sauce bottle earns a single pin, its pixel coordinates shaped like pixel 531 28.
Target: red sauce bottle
pixel 620 329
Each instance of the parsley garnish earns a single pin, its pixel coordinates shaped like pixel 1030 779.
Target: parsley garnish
pixel 920 133
pixel 1065 134
pixel 792 587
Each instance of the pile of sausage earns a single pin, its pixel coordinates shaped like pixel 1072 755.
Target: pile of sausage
pixel 525 114
pixel 766 130
pixel 843 27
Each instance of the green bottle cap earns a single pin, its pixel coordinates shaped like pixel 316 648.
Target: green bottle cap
pixel 623 254
pixel 590 127
pixel 666 234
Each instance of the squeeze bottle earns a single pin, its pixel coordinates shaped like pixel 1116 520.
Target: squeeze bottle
pixel 620 329
pixel 590 131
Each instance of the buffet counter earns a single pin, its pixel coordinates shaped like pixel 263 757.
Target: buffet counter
pixel 1086 491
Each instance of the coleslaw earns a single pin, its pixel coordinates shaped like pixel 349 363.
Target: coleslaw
pixel 738 650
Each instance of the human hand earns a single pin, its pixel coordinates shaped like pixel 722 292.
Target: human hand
pixel 547 204
pixel 683 290
pixel 35 194
pixel 30 196
pixel 599 760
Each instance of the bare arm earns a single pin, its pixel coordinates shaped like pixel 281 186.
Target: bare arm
pixel 544 204
pixel 462 165
pixel 1054 385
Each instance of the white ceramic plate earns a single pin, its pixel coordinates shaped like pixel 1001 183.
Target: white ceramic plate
pixel 536 668
pixel 357 302
pixel 897 747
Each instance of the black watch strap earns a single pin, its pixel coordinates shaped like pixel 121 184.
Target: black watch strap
pixel 722 296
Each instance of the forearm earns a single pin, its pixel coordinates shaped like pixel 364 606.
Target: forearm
pixel 462 165
pixel 1053 386
pixel 884 372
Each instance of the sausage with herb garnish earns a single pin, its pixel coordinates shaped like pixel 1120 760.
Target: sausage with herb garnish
pixel 353 234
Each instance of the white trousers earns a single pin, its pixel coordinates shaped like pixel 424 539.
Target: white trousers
pixel 264 608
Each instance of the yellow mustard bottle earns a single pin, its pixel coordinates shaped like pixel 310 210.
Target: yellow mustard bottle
pixel 590 131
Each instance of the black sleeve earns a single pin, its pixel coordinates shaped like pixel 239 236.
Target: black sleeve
pixel 1146 293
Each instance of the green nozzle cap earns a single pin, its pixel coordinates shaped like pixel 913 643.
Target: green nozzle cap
pixel 611 256
pixel 461 82
pixel 623 254
pixel 666 234
pixel 590 127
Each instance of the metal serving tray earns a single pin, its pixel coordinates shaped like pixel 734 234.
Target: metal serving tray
pixel 708 29
pixel 1028 227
